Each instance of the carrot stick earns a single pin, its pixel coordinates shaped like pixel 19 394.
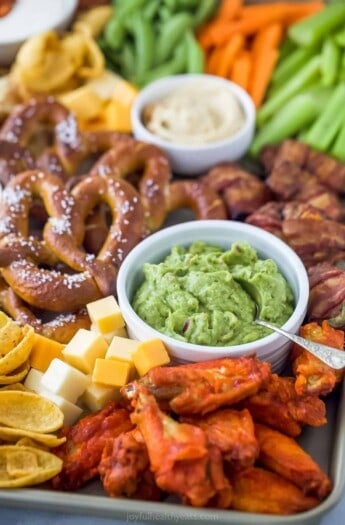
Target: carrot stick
pixel 241 69
pixel 265 44
pixel 212 59
pixel 268 14
pixel 263 67
pixel 229 52
pixel 294 8
pixel 215 33
pixel 269 37
pixel 229 9
pixel 304 10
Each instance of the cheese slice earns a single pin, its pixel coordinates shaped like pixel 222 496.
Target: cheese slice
pixel 64 380
pixel 83 350
pixel 105 314
pixel 96 396
pixel 111 372
pixel 44 350
pixel 149 354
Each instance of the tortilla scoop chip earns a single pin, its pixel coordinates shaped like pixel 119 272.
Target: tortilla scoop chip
pixel 29 411
pixel 25 466
pixel 17 375
pixel 20 353
pixel 13 434
pixel 14 386
pixel 10 335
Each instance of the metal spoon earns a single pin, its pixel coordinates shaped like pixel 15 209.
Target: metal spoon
pixel 331 356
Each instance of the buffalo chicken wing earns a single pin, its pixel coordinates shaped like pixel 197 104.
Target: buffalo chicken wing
pixel 283 455
pixel 125 469
pixel 278 405
pixel 85 441
pixel 262 491
pixel 312 375
pixel 232 432
pixel 182 460
pixel 199 388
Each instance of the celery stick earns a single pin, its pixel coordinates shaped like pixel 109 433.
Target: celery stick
pixel 285 49
pixel 304 77
pixel 338 149
pixel 330 61
pixel 340 38
pixel 291 64
pixel 313 29
pixel 327 125
pixel 300 111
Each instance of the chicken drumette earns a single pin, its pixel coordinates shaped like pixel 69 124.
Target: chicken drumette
pixel 184 463
pixel 312 375
pixel 85 441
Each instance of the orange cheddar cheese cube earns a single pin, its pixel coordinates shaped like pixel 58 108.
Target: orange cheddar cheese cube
pixel 105 314
pixel 111 372
pixel 44 350
pixel 83 350
pixel 149 354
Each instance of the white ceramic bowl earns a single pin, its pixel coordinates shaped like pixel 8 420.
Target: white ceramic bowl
pixel 29 17
pixel 190 159
pixel 273 348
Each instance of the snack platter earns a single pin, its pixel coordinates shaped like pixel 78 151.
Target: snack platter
pixel 326 444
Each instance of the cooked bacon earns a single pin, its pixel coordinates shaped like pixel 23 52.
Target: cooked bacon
pixel 309 235
pixel 328 170
pixel 241 191
pixel 327 291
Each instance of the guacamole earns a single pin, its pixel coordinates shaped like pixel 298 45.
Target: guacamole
pixel 208 296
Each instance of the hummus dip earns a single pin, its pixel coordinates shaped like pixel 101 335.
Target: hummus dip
pixel 196 113
pixel 207 296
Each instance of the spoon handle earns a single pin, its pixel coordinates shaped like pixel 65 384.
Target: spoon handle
pixel 331 356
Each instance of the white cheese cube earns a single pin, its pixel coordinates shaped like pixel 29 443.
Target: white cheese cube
pixel 33 380
pixel 70 411
pixel 64 380
pixel 83 350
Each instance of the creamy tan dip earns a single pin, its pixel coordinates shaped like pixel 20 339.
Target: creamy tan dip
pixel 196 113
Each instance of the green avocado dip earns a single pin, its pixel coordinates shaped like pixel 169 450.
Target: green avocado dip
pixel 207 296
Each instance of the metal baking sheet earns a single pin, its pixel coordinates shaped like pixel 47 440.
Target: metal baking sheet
pixel 326 445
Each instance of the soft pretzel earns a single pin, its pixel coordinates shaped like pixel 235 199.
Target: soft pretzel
pixel 61 328
pixel 241 191
pixel 14 159
pixel 23 121
pixel 202 200
pixel 27 264
pixel 128 157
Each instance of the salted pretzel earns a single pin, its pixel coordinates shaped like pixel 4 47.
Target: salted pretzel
pixel 27 265
pixel 61 328
pixel 194 194
pixel 241 191
pixel 14 159
pixel 23 122
pixel 131 156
